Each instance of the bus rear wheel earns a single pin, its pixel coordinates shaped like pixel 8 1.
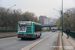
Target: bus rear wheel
pixel 22 38
pixel 39 37
pixel 35 37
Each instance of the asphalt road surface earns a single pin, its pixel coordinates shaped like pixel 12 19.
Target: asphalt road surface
pixel 48 44
pixel 14 43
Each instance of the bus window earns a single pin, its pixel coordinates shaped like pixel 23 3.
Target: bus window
pixel 37 28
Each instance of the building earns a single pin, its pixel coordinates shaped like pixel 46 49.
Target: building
pixel 43 20
pixel 53 20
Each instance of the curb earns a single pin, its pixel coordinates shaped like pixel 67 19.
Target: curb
pixel 60 42
pixel 29 47
pixel 57 43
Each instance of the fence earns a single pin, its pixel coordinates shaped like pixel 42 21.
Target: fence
pixel 72 34
pixel 4 31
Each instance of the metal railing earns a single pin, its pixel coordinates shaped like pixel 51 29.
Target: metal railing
pixel 72 33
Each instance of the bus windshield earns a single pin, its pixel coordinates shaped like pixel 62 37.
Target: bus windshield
pixel 22 28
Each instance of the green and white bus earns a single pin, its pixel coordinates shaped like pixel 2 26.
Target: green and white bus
pixel 29 29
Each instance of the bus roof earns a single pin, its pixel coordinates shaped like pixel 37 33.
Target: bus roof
pixel 37 24
pixel 29 22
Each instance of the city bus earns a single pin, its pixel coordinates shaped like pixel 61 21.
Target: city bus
pixel 29 29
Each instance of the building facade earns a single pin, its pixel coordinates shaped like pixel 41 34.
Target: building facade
pixel 43 20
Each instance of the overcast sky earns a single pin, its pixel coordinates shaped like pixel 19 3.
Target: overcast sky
pixel 39 7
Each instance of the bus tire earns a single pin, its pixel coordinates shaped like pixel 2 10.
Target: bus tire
pixel 22 38
pixel 35 36
pixel 39 37
pixel 40 34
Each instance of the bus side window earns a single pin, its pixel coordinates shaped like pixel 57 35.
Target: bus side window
pixel 37 28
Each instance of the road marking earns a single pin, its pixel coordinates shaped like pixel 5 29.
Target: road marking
pixel 36 43
pixel 47 44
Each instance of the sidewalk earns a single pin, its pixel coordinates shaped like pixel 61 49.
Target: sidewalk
pixel 68 43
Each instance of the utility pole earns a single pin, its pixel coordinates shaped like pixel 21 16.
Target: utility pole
pixel 62 17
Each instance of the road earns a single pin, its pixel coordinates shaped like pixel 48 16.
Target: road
pixel 14 43
pixel 48 44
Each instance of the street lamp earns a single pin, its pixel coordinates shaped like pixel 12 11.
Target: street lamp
pixel 57 16
pixel 7 18
pixel 56 10
pixel 62 16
